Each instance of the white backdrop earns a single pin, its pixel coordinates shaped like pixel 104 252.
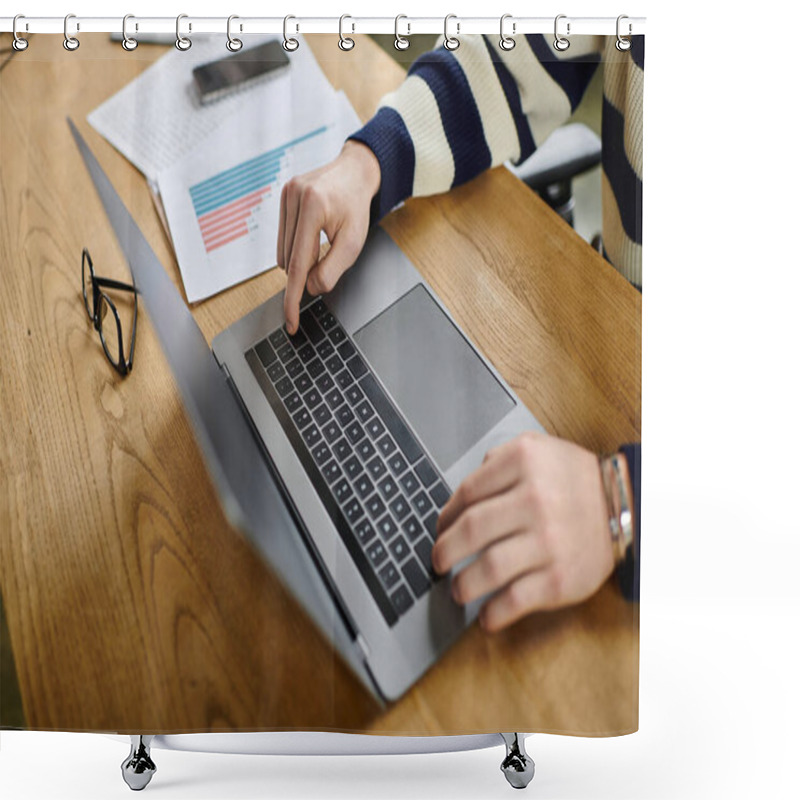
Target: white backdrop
pixel 720 610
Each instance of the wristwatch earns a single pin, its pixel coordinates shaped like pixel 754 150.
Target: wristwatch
pixel 617 486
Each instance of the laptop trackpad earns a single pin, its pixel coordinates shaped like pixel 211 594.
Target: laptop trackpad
pixel 434 376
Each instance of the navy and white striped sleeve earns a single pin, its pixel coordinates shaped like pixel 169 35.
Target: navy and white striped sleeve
pixel 459 113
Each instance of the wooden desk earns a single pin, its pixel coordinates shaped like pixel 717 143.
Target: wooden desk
pixel 132 605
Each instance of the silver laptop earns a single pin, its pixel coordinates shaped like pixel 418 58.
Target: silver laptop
pixel 334 450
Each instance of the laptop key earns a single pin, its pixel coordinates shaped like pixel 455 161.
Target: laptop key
pixel 318 307
pixel 409 483
pixel 286 352
pixel 402 600
pixel 344 416
pixel 375 428
pixel 399 548
pixel 400 508
pixel 276 372
pixel 439 494
pixel 386 445
pixel 365 449
pixel 325 349
pixel 346 349
pixel 312 436
pixel 364 411
pixel 331 432
pixel 266 355
pixel 292 402
pixel 421 503
pixel 302 383
pixel 306 353
pixel 331 472
pixel 301 418
pixel 327 321
pixel 376 553
pixel 423 550
pixel 353 511
pixel 316 368
pixel 354 432
pixel 391 419
pixel 334 397
pixel 342 449
pixel 354 395
pixel 342 491
pixel 375 506
pixel 397 464
pixel 294 367
pixel 364 531
pixel 284 386
pixel 352 467
pixel 357 366
pixel 363 486
pixel 334 364
pixel 322 414
pixel 430 524
pixel 324 383
pixel 388 488
pixel 321 453
pixel 298 339
pixel 311 327
pixel 417 579
pixel 426 473
pixel 312 398
pixel 387 528
pixel 344 379
pixel 277 338
pixel 412 528
pixel 376 467
pixel 389 575
pixel 337 336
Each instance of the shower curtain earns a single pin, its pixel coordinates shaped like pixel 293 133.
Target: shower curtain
pixel 454 544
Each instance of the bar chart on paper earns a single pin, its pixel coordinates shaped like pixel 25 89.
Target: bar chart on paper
pixel 228 205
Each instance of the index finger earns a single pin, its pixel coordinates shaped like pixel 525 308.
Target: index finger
pixel 305 250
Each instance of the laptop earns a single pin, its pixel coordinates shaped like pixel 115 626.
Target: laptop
pixel 334 450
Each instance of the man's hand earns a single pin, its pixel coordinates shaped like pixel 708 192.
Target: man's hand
pixel 335 199
pixel 535 515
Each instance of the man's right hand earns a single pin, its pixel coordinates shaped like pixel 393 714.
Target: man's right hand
pixel 335 199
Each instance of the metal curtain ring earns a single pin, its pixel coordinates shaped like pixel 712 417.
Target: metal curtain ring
pixel 400 42
pixel 345 42
pixel 560 42
pixel 507 42
pixel 182 42
pixel 19 44
pixel 451 42
pixel 70 42
pixel 128 43
pixel 290 45
pixel 623 44
pixel 233 44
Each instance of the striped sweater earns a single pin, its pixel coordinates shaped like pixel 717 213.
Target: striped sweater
pixel 459 113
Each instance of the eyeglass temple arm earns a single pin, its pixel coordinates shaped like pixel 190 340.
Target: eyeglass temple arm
pixel 108 283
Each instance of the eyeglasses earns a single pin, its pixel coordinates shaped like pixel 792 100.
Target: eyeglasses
pixel 98 304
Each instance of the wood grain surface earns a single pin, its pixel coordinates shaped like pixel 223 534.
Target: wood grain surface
pixel 132 605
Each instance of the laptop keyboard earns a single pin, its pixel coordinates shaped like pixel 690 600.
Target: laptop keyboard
pixel 381 491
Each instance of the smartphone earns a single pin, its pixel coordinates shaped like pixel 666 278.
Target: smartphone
pixel 218 78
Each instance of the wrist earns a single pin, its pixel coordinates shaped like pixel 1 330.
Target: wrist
pixel 365 163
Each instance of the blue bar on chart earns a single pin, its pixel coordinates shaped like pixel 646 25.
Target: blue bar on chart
pixel 225 202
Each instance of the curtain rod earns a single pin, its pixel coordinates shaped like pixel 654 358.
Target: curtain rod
pixel 404 25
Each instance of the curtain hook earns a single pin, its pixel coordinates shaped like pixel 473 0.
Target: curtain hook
pixel 345 42
pixel 623 44
pixel 560 43
pixel 290 45
pixel 128 42
pixel 234 45
pixel 451 42
pixel 507 42
pixel 71 43
pixel 19 44
pixel 400 42
pixel 183 43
